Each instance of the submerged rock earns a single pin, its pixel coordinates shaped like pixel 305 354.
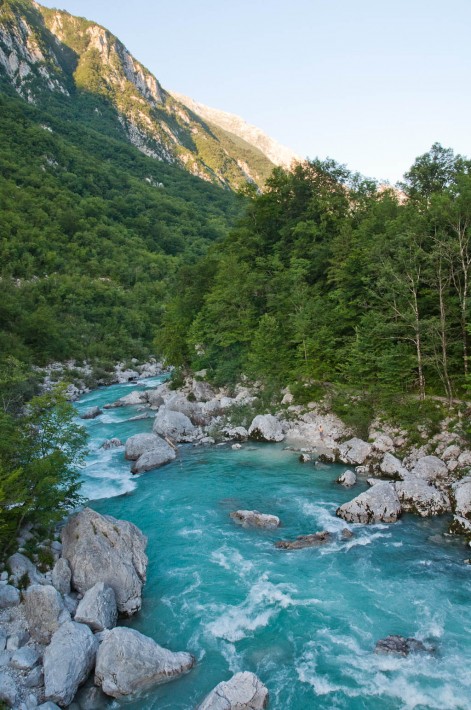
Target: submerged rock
pixel 68 660
pixel 417 496
pixel 91 413
pixel 346 534
pixel 401 646
pixel 302 541
pixel 266 427
pixel 244 691
pixel 254 519
pixel 113 443
pixel 354 451
pixel 347 479
pixel 103 549
pixel 128 662
pixel 378 504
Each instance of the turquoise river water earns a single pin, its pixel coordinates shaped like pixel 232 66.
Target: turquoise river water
pixel 306 621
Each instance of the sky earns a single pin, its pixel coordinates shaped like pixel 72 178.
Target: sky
pixel 370 83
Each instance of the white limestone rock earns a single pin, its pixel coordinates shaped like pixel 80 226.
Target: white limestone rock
pixel 139 444
pixel 244 691
pixel 175 425
pixel 266 427
pixel 347 479
pixel 128 662
pixel 380 503
pixel 68 660
pixel 254 519
pixel 354 451
pixel 430 468
pixel 61 576
pixel 461 494
pixel 161 454
pixel 9 596
pixel 20 567
pixel 44 611
pixel 417 496
pixel 103 549
pixel 98 608
pixel 392 467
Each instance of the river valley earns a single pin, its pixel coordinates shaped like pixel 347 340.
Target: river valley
pixel 306 622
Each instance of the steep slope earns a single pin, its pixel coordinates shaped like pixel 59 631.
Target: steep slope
pixel 74 66
pixel 274 151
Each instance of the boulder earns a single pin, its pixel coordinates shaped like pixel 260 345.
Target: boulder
pixel 461 495
pixel 401 646
pixel 430 468
pixel 34 678
pixel 346 534
pixel 132 399
pixel 3 639
pixel 112 443
pixel 460 526
pixel 103 549
pixel 254 519
pixel 17 640
pixel 302 541
pixel 266 427
pixel 417 496
pixel 61 576
pixel 140 444
pixel 244 691
pixel 68 660
pixel 128 662
pixel 354 451
pixel 391 467
pixel 44 611
pixel 347 479
pixel 163 453
pixel 202 391
pixel 8 690
pixel 22 568
pixel 195 411
pixel 464 459
pixel 9 596
pixel 98 608
pixel 24 659
pixel 238 433
pixel 451 452
pixel 305 458
pixel 380 503
pixel 383 443
pixel 174 425
pixel 91 413
pixel 373 481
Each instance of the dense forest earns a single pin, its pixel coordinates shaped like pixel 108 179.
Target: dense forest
pixel 330 278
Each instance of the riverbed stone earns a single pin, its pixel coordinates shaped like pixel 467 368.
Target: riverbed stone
pixel 103 549
pixel 255 519
pixel 98 608
pixel 24 659
pixel 44 611
pixel 461 493
pixel 266 427
pixel 113 443
pixel 391 467
pixel 354 451
pixel 430 468
pixel 68 660
pixel 128 662
pixel 22 568
pixel 347 479
pixel 9 596
pixel 244 691
pixel 91 413
pixel 380 503
pixel 417 496
pixel 8 690
pixel 302 541
pixel 139 444
pixel 175 425
pixel 161 454
pixel 34 678
pixel 61 576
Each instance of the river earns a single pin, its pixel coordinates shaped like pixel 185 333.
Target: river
pixel 305 622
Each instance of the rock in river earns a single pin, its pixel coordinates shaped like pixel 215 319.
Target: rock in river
pixel 302 541
pixel 380 503
pixel 103 549
pixel 254 519
pixel 244 691
pixel 417 496
pixel 175 425
pixel 354 451
pixel 128 662
pixel 160 455
pixel 401 646
pixel 347 479
pixel 266 427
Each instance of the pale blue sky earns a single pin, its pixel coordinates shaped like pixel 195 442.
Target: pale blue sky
pixel 370 83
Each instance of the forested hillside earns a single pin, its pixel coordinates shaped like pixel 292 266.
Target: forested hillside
pixel 92 233
pixel 329 279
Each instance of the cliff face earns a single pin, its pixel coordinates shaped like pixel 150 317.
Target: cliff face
pixel 46 55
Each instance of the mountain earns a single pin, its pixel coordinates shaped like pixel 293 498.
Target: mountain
pixel 235 125
pixel 78 69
